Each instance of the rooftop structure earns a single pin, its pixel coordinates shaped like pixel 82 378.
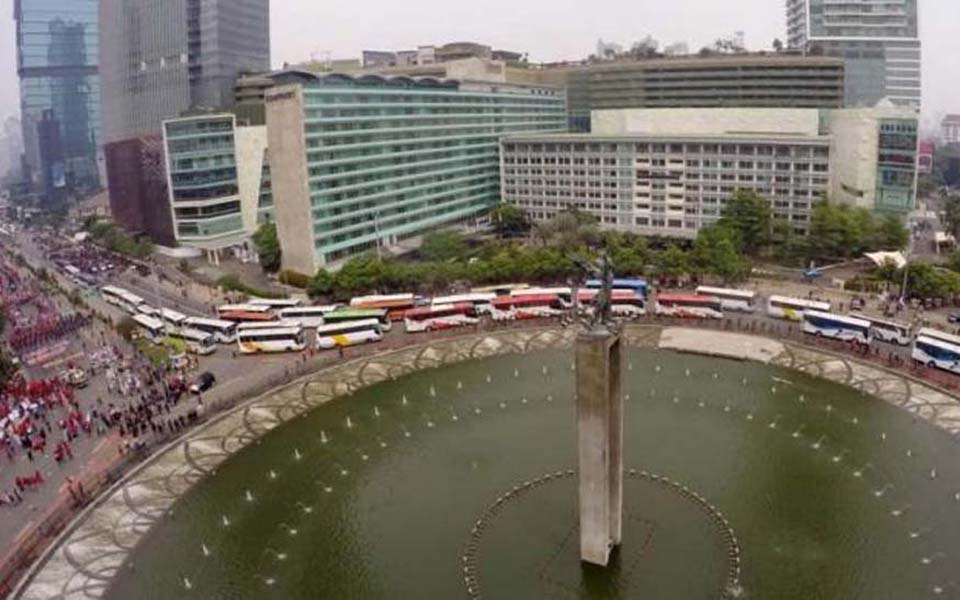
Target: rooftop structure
pixel 950 129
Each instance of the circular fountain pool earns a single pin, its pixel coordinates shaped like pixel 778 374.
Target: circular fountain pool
pixel 455 482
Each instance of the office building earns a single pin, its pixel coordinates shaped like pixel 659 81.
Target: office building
pixel 926 151
pixel 362 163
pixel 950 129
pixel 878 41
pixel 57 55
pixel 161 60
pixel 737 80
pixel 214 169
pixel 670 172
pixel 428 55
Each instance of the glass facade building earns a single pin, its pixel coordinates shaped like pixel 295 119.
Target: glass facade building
pixel 358 163
pixel 878 41
pixel 57 58
pixel 897 162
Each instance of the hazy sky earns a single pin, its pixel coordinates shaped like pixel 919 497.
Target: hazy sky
pixel 548 30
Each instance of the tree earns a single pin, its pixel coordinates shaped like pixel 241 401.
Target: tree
pixel 126 328
pixel 749 215
pixel 672 262
pixel 777 45
pixel 268 247
pixel 509 220
pixel 715 253
pixel 443 246
pixel 891 234
pixel 951 216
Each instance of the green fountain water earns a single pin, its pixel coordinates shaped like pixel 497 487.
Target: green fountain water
pixel 456 481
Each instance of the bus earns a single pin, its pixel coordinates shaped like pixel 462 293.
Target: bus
pixel 500 290
pixel 255 340
pixel 535 306
pixel 121 298
pixel 481 301
pixel 938 349
pixel 352 314
pixel 395 304
pixel 563 294
pixel 623 303
pixel 225 332
pixel 198 342
pixel 146 309
pixel 440 316
pixel 244 312
pixel 349 333
pixel 307 316
pixel 275 303
pixel 889 331
pixel 792 309
pixel 153 328
pixel 172 317
pixel 689 306
pixel 637 286
pixel 730 299
pixel 838 327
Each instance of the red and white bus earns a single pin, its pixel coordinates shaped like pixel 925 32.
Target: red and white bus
pixel 245 313
pixel 396 305
pixel 689 306
pixel 481 302
pixel 537 306
pixel 564 294
pixel 440 316
pixel 623 303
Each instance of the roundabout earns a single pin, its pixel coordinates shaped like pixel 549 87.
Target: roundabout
pixel 446 470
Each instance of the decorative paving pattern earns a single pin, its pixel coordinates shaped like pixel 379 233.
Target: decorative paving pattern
pixel 89 555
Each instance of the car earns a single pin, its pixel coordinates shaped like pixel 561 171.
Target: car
pixel 204 382
pixel 953 317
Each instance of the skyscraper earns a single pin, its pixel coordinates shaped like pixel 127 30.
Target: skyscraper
pixel 879 42
pixel 163 58
pixel 57 66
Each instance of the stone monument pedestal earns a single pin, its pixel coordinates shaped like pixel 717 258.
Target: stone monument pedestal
pixel 600 433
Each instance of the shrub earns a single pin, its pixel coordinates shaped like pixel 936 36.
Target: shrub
pixel 297 280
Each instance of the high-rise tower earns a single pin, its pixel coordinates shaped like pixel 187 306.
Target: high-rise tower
pixel 879 41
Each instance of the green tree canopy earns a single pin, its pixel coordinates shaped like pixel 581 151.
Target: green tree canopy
pixel 443 245
pixel 268 247
pixel 672 262
pixel 715 252
pixel 509 220
pixel 749 214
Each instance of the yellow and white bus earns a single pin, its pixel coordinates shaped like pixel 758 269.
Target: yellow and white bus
pixel 349 333
pixel 255 340
pixel 784 307
pixel 224 331
pixel 731 299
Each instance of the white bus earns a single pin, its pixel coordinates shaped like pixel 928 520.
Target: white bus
pixel 274 303
pixel 889 331
pixel 254 340
pixel 153 328
pixel 937 349
pixel 482 303
pixel 730 299
pixel 267 325
pixel 440 316
pixel 348 333
pixel 687 306
pixel 198 342
pixel 146 309
pixel 121 298
pixel 224 331
pixel 792 309
pixel 307 316
pixel 838 327
pixel 172 317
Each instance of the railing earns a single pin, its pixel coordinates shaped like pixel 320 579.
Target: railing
pixel 31 545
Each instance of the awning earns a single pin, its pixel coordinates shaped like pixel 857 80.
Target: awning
pixel 882 258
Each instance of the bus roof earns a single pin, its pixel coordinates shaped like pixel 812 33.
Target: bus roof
pixel 477 297
pixel 506 287
pixel 335 327
pixel 715 291
pixel 110 289
pixel 426 311
pixel 243 308
pixel 191 334
pixel 172 315
pixel 359 300
pixel 274 302
pixel 268 325
pixel 245 315
pixel 210 322
pixel 800 303
pixel 310 309
pixel 937 334
pixel 258 331
pixel 687 298
pixel 885 322
pixel 619 283
pixel 357 313
pixel 838 318
pixel 525 299
pixel 541 291
pixel 148 321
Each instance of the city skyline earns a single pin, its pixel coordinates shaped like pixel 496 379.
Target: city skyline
pixel 562 31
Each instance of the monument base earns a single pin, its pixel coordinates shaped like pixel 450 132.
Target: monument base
pixel 600 442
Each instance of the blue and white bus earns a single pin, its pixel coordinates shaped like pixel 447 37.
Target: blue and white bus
pixel 838 327
pixel 889 331
pixel 937 349
pixel 637 286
